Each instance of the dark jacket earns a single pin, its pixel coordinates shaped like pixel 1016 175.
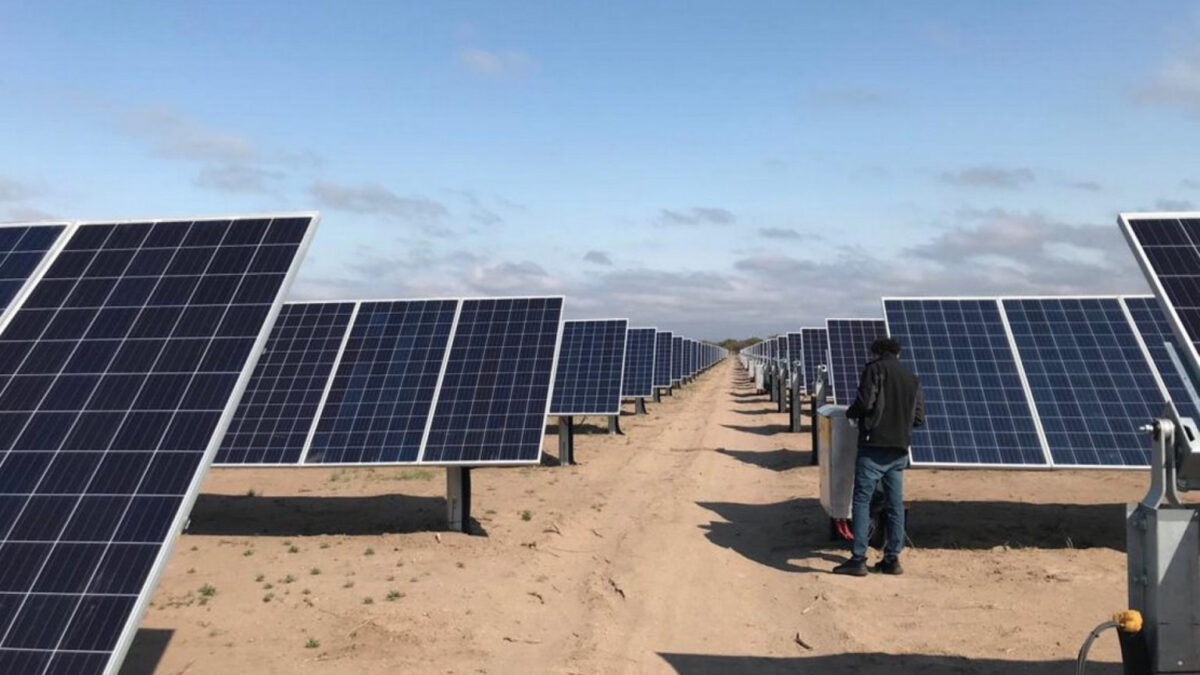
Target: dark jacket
pixel 888 405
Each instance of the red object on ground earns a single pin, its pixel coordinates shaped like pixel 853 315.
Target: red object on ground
pixel 843 529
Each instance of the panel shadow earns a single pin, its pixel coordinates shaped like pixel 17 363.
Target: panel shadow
pixel 870 664
pixel 217 514
pixel 146 651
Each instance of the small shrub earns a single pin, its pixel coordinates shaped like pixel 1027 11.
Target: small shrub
pixel 527 515
pixel 208 590
pixel 312 643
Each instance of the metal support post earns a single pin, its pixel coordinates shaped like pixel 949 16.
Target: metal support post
pixel 458 498
pixel 614 425
pixel 566 440
pixel 639 406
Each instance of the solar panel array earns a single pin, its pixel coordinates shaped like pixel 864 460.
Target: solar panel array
pixel 591 364
pixel 849 350
pixel 976 408
pixel 814 345
pixel 663 342
pixel 639 363
pixel 1151 324
pixel 406 376
pixel 119 373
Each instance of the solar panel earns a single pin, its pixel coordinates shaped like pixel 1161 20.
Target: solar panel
pixel 118 376
pixel 677 349
pixel 639 363
pixel 379 400
pixel 1090 380
pixel 795 354
pixel 1151 323
pixel 23 254
pixel 849 350
pixel 814 344
pixel 591 362
pixel 662 358
pixel 977 410
pixel 275 414
pixel 494 393
pixel 1167 247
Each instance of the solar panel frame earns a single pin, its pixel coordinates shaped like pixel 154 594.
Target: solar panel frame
pixel 39 270
pixel 1138 447
pixel 1168 299
pixel 616 402
pixel 441 379
pixel 1026 394
pixel 112 659
pixel 844 395
pixel 663 347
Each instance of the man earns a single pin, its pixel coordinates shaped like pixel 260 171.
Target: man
pixel 888 405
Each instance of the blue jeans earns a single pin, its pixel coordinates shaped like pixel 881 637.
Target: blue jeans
pixel 872 466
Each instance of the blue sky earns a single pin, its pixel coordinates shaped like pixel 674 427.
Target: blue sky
pixel 720 169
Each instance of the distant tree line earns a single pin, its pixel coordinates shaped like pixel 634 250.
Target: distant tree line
pixel 734 345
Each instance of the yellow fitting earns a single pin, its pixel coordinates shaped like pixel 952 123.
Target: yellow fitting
pixel 1129 621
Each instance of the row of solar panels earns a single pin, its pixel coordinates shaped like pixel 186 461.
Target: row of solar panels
pixel 440 382
pixel 124 349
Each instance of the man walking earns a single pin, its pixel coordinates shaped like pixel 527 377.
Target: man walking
pixel 888 405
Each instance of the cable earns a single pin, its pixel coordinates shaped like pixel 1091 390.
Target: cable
pixel 1081 662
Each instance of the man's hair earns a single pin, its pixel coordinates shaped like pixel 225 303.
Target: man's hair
pixel 885 345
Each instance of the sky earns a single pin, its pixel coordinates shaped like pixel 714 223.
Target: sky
pixel 718 169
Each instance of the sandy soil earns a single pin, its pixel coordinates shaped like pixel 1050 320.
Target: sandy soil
pixel 693 544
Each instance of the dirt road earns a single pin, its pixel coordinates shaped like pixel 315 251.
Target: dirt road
pixel 692 544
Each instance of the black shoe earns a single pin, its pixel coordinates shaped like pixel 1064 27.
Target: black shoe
pixel 886 566
pixel 855 567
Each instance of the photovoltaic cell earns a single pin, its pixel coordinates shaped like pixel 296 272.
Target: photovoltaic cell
pixel 639 363
pixel 976 408
pixel 591 361
pixel 849 350
pixel 662 358
pixel 677 350
pixel 379 402
pixel 1091 383
pixel 116 380
pixel 814 343
pixel 495 392
pixel 795 354
pixel 277 410
pixel 1151 323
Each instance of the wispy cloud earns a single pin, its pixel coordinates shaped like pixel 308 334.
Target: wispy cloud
pixel 495 63
pixel 12 190
pixel 1176 84
pixel 597 257
pixel 26 214
pixel 374 199
pixel 1190 184
pixel 779 233
pixel 990 177
pixel 1086 185
pixel 698 215
pixel 478 210
pixel 1174 205
pixel 237 178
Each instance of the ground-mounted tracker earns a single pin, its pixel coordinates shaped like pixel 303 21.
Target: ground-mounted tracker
pixel 494 392
pixel 1167 247
pixel 814 343
pixel 275 414
pixel 639 363
pixel 591 366
pixel 1151 324
pixel 1091 383
pixel 663 342
pixel 977 409
pixel 677 358
pixel 382 391
pixel 118 375
pixel 849 350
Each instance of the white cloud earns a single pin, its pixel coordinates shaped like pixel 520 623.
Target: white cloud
pixel 597 258
pixel 374 199
pixel 1176 84
pixel 989 177
pixel 698 215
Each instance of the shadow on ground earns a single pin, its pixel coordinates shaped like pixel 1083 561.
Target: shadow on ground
pixel 761 429
pixel 146 651
pixel 782 459
pixel 298 516
pixel 869 664
pixel 793 535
